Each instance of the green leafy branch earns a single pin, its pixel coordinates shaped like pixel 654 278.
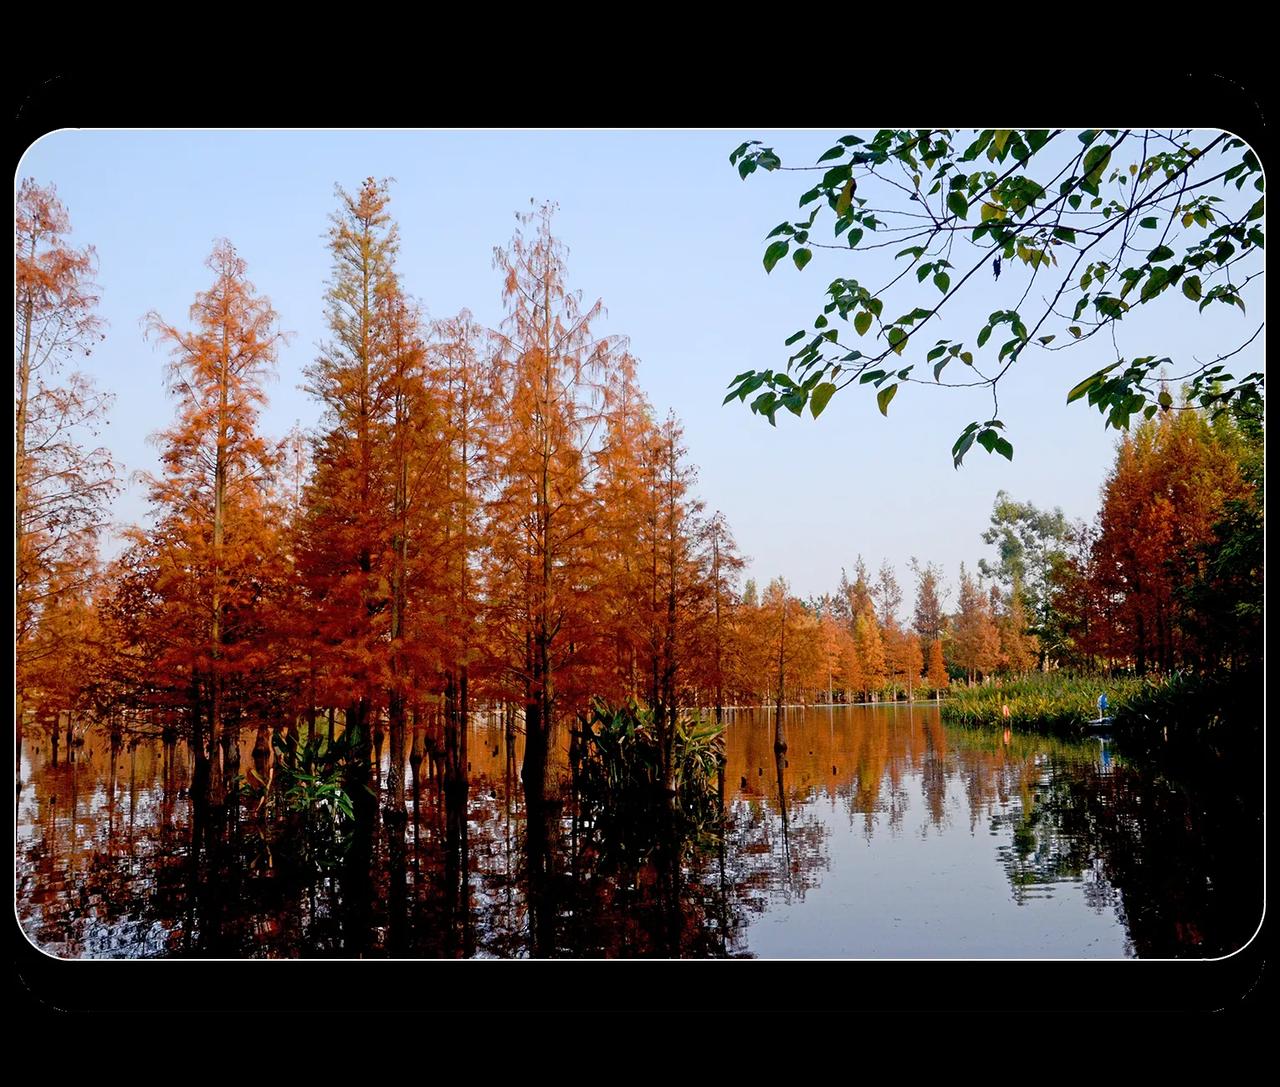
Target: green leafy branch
pixel 1083 198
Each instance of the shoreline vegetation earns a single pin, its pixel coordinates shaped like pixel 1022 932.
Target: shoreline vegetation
pixel 1182 704
pixel 1043 702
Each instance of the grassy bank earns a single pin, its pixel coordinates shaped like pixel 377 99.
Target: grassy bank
pixel 1056 701
pixel 1218 714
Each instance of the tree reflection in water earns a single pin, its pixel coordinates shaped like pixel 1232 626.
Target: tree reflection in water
pixel 115 858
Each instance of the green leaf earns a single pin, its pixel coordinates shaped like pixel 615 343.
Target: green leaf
pixel 1149 223
pixel 1166 401
pixel 832 153
pixel 958 205
pixel 862 322
pixel 1156 282
pixel 775 253
pixel 794 337
pixel 1160 252
pixel 1095 162
pixel 897 338
pixel 855 236
pixel 942 281
pixel 836 175
pixel 1084 386
pixel 802 257
pixel 884 396
pixel 984 335
pixel 1191 288
pixel 1004 448
pixel 819 397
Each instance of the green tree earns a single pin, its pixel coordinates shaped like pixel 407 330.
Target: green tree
pixel 1086 226
pixel 1031 543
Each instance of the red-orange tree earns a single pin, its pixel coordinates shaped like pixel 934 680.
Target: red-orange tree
pixel 541 568
pixel 215 540
pixel 61 488
pixel 346 541
pixel 1172 479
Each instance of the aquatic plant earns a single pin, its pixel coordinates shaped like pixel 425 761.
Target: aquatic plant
pixel 317 805
pixel 1050 701
pixel 622 784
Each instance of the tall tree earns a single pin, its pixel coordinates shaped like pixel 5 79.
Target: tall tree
pixel 904 657
pixel 555 367
pixel 852 598
pixel 1222 607
pixel 888 595
pixel 626 516
pixel 213 497
pixel 937 673
pixel 61 488
pixel 416 418
pixel 1170 484
pixel 725 565
pixel 1018 646
pixel 466 385
pixel 870 643
pixel 351 494
pixel 1030 544
pixel 977 641
pixel 928 617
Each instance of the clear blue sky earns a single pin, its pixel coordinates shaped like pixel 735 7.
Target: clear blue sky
pixel 660 227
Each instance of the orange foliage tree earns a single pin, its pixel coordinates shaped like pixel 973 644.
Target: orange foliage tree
pixel 345 547
pixel 216 541
pixel 1172 479
pixel 976 641
pixel 61 488
pixel 937 670
pixel 541 560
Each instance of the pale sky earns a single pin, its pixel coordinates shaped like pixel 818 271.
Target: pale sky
pixel 661 228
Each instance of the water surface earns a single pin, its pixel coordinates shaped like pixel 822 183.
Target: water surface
pixel 879 833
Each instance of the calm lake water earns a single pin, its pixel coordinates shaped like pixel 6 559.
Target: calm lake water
pixel 880 833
